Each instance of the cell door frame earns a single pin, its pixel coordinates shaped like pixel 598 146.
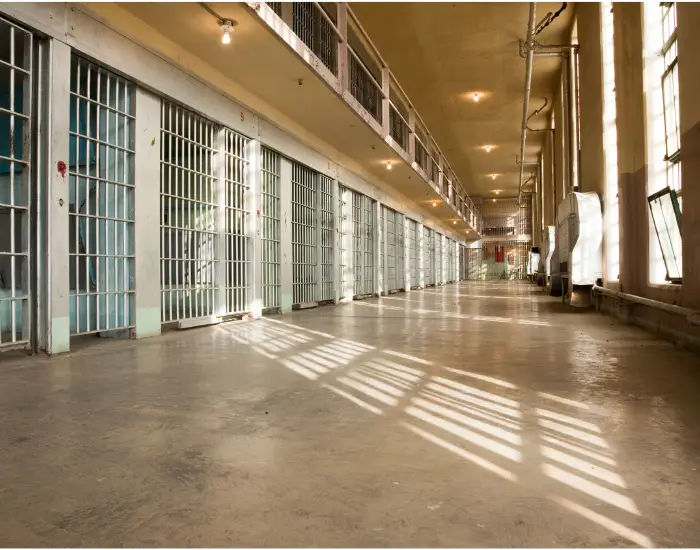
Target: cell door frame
pixel 32 72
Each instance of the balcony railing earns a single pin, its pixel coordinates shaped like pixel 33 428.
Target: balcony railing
pixel 398 127
pixel 364 87
pixel 312 24
pixel 335 36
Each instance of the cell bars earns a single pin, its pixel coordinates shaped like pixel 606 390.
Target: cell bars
pixel 400 252
pixel 345 233
pixel 364 230
pixel 327 235
pixel 100 200
pixel 413 244
pixel 394 249
pixel 429 256
pixel 389 248
pixel 15 158
pixel 439 274
pixel 237 213
pixel 304 226
pixel 188 185
pixel 270 228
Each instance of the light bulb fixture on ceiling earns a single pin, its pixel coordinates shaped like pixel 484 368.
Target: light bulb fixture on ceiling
pixel 488 148
pixel 226 30
pixel 434 204
pixel 494 176
pixel 388 165
pixel 494 200
pixel 476 96
pixel 454 222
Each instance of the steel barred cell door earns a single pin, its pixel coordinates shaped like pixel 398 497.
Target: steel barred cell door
pixel 345 230
pixel 400 252
pixel 270 228
pixel 429 256
pixel 189 214
pixel 390 238
pixel 304 234
pixel 16 116
pixel 437 238
pixel 100 200
pixel 237 218
pixel 413 245
pixel 364 232
pixel 327 236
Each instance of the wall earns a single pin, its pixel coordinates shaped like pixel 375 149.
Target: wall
pixel 633 156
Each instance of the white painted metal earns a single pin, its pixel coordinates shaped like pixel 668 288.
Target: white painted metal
pixel 16 115
pixel 326 237
pixel 101 200
pixel 429 256
pixel 238 284
pixel 413 256
pixel 270 228
pixel 304 234
pixel 364 234
pixel 439 274
pixel 400 252
pixel 345 243
pixel 189 184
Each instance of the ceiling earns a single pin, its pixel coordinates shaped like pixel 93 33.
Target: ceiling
pixel 441 52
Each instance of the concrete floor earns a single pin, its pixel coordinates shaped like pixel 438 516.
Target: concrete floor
pixel 478 414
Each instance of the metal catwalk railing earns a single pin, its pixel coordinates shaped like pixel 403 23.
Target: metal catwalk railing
pixel 335 36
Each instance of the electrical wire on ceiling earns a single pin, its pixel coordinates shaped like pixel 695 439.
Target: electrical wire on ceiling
pixel 547 19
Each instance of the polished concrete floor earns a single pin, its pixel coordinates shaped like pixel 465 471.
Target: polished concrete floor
pixel 477 414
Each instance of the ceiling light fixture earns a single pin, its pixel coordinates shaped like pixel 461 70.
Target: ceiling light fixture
pixel 434 204
pixel 226 29
pixel 454 222
pixel 494 176
pixel 388 165
pixel 476 96
pixel 488 148
pixel 494 200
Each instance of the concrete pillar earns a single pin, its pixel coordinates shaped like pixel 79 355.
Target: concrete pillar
pixel 286 285
pixel 254 229
pixel 147 214
pixel 58 295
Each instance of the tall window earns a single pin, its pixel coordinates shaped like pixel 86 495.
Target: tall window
pixel 611 213
pixel 669 89
pixel 663 136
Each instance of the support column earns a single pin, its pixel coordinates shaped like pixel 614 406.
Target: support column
pixel 254 229
pixel 147 214
pixel 58 306
pixel 286 279
pixel 420 259
pixel 342 45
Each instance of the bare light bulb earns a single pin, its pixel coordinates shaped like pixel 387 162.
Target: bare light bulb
pixel 493 176
pixel 487 148
pixel 476 96
pixel 434 204
pixel 388 165
pixel 226 29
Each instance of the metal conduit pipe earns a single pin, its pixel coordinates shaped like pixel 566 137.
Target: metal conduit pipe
pixel 530 50
pixel 692 317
